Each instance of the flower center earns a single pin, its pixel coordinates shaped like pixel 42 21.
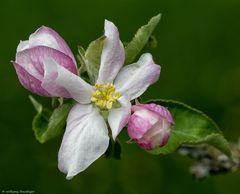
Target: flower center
pixel 105 96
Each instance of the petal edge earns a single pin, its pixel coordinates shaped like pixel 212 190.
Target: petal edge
pixel 134 79
pixel 112 58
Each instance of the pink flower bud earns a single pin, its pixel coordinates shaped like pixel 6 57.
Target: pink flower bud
pixel 44 44
pixel 150 125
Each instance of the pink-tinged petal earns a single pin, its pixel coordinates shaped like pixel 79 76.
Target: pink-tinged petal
pixel 118 117
pixel 29 82
pixel 49 79
pixel 137 127
pixel 112 57
pixel 134 79
pixel 140 122
pixel 60 82
pixel 45 36
pixel 85 140
pixel 23 45
pixel 32 60
pixel 156 137
pixel 160 110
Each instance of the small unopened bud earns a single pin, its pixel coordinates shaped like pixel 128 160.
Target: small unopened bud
pixel 149 125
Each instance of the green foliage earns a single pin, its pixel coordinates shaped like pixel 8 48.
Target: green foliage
pixel 191 127
pixel 140 39
pixel 81 59
pixel 47 124
pixel 92 58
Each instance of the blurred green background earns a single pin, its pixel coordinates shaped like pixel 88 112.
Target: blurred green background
pixel 198 48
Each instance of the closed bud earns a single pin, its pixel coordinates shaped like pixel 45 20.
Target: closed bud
pixel 150 125
pixel 32 56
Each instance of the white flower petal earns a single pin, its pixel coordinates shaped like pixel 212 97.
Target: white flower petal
pixel 118 117
pixel 85 140
pixel 134 79
pixel 112 57
pixel 58 81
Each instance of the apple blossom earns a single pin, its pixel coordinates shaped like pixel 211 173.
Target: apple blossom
pixel 108 101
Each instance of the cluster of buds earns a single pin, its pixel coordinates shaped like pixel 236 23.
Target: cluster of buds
pixel 210 161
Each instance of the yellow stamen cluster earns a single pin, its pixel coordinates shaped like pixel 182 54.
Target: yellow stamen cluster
pixel 105 96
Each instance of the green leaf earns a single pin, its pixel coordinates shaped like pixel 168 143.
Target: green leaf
pixel 140 39
pixel 191 127
pixel 48 125
pixel 81 59
pixel 93 57
pixel 40 124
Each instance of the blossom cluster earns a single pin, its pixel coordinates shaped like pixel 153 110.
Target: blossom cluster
pixel 46 66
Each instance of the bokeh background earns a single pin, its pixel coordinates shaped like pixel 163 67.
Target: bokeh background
pixel 198 48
